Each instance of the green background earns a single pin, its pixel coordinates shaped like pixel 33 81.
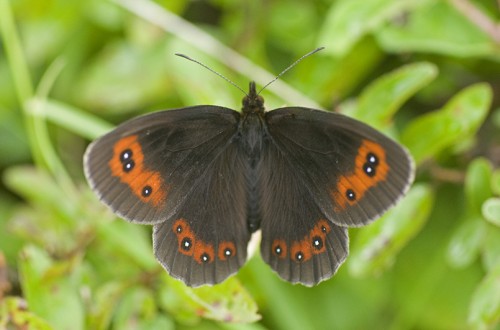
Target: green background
pixel 426 72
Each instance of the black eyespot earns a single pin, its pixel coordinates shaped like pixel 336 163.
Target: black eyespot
pixel 323 229
pixel 369 169
pixel 146 191
pixel 178 229
pixel 128 166
pixel 278 250
pixel 186 244
pixel 228 252
pixel 126 155
pixel 350 194
pixel 317 242
pixel 205 257
pixel 299 256
pixel 372 158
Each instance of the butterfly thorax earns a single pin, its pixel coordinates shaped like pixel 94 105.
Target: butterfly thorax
pixel 253 103
pixel 251 128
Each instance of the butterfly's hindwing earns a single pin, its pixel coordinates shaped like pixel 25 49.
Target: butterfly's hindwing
pixel 298 240
pixel 205 240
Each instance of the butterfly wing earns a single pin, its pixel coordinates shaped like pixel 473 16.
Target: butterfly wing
pixel 173 169
pixel 343 173
pixel 298 240
pixel 209 228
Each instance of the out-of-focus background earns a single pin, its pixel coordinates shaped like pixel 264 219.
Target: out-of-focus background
pixel 426 72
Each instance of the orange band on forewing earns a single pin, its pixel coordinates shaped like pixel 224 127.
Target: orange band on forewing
pixel 358 182
pixel 139 177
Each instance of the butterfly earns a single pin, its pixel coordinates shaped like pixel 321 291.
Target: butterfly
pixel 207 177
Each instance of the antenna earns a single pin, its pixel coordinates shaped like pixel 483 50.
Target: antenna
pixel 269 83
pixel 212 70
pixel 291 66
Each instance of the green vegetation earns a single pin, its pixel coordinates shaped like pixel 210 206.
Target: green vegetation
pixel 426 72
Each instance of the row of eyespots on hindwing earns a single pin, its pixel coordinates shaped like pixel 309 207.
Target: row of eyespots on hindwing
pixel 189 245
pixel 127 163
pixel 313 243
pixel 370 168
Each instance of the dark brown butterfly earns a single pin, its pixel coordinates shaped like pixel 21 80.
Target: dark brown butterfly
pixel 207 177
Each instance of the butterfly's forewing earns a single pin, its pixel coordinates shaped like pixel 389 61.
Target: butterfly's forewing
pixel 179 170
pixel 342 171
pixel 353 172
pixel 159 151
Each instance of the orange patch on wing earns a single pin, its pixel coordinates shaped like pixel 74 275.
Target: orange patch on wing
pixel 185 237
pixel 357 183
pixel 225 247
pixel 202 252
pixel 146 184
pixel 312 244
pixel 279 244
pixel 300 250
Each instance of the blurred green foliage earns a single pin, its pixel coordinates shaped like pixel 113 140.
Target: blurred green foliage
pixel 427 72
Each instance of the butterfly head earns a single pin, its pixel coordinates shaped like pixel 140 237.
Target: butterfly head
pixel 253 102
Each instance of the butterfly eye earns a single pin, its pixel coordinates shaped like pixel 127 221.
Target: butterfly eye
pixel 317 243
pixel 127 161
pixel 126 155
pixel 186 244
pixel 128 166
pixel 146 191
pixel 279 248
pixel 205 258
pixel 369 169
pixel 226 250
pixel 372 158
pixel 299 256
pixel 350 194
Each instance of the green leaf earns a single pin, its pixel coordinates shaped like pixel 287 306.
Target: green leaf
pixel 39 188
pixel 477 184
pixel 377 245
pixel 491 210
pixel 436 27
pixel 106 298
pixel 52 288
pixel 466 242
pixel 137 310
pixel 14 315
pixel 458 120
pixel 130 240
pixel 382 98
pixel 349 20
pixel 491 247
pixel 484 312
pixel 226 302
pixel 73 119
pixel 495 182
pixel 110 83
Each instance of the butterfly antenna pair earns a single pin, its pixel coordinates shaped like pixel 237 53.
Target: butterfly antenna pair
pixel 269 83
